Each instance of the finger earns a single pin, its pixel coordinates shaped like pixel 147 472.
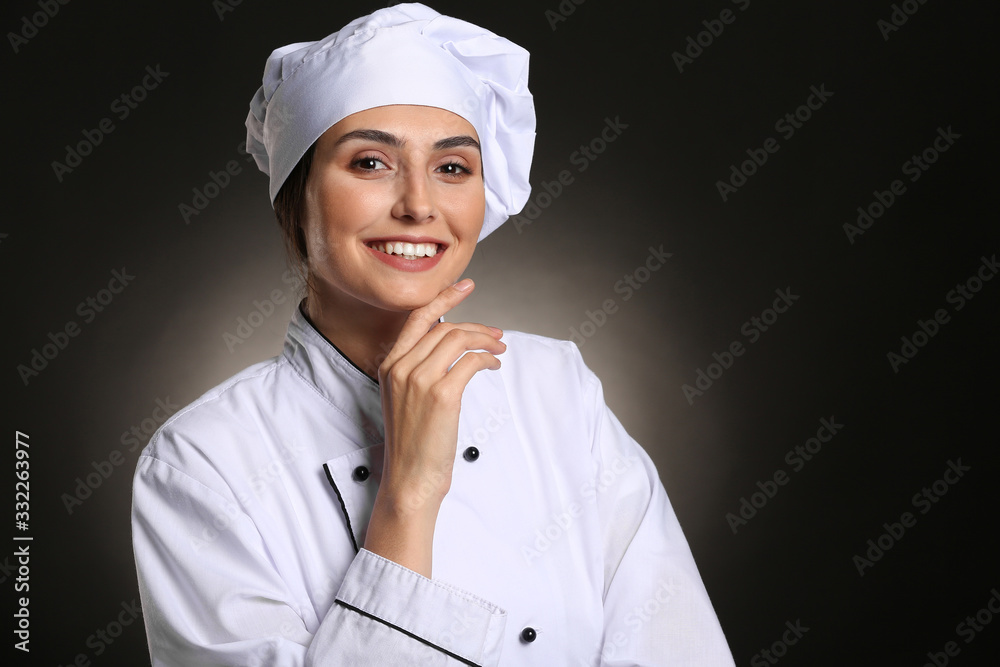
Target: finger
pixel 472 326
pixel 448 390
pixel 431 357
pixel 444 330
pixel 453 384
pixel 422 319
pixel 456 343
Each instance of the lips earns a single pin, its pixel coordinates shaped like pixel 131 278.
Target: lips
pixel 406 249
pixel 407 253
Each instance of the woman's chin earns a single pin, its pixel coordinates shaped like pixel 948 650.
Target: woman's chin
pixel 394 295
pixel 404 300
pixel 409 294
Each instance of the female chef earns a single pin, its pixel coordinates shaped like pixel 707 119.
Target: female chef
pixel 385 492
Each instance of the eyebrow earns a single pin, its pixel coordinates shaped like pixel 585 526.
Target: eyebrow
pixel 456 142
pixel 391 140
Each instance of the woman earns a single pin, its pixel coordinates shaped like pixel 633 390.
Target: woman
pixel 385 492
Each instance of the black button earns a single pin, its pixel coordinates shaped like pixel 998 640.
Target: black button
pixel 361 473
pixel 528 635
pixel 471 454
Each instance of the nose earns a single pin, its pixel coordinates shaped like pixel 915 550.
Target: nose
pixel 415 200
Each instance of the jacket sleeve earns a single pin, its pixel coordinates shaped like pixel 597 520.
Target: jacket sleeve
pixel 211 595
pixel 656 609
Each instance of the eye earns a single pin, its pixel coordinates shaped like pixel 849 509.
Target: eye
pixel 454 169
pixel 369 163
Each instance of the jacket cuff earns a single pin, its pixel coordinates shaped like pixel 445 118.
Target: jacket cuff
pixel 433 612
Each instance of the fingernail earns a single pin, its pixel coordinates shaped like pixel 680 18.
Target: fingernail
pixel 495 330
pixel 464 285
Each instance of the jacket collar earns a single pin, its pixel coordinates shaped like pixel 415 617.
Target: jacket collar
pixel 334 376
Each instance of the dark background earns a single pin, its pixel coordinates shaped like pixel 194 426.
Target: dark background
pixel 162 337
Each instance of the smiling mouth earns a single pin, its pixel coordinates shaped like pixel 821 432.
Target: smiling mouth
pixel 407 250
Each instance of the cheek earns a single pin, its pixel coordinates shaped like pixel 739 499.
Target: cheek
pixel 466 210
pixel 338 213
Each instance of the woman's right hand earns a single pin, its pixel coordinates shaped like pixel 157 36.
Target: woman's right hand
pixel 421 400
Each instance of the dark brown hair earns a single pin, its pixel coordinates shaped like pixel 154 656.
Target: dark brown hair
pixel 288 210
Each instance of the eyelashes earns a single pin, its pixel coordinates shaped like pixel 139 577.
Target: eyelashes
pixel 461 169
pixel 364 163
pixel 372 163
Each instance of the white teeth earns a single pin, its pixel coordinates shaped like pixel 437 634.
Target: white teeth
pixel 407 250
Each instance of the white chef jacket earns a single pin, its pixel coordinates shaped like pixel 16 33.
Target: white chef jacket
pixel 250 505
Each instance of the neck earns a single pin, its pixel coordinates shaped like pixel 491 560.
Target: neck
pixel 362 332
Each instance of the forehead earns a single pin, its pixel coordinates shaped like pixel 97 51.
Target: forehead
pixel 411 123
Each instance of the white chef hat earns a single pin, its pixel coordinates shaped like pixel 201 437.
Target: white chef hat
pixel 405 54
